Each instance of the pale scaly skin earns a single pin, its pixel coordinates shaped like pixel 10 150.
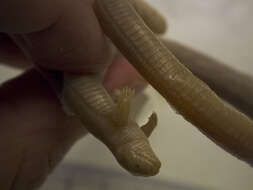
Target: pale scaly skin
pixel 110 123
pixel 231 85
pixel 191 97
pixel 156 22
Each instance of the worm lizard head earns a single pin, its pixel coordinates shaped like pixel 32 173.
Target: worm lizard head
pixel 133 150
pixel 139 159
pixel 135 153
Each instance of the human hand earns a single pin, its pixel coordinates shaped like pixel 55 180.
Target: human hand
pixel 59 35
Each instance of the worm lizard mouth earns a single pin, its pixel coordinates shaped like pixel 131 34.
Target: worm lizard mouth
pixel 134 152
pixel 139 159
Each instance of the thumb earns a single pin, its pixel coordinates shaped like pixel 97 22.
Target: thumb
pixel 60 35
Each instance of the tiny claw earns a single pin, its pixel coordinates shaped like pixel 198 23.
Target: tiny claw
pixel 149 127
pixel 122 109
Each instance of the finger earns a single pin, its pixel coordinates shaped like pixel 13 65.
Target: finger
pixel 155 21
pixel 34 134
pixel 233 86
pixel 121 74
pixel 69 38
pixel 11 55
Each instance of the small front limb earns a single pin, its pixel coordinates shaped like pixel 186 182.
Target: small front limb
pixel 123 106
pixel 149 127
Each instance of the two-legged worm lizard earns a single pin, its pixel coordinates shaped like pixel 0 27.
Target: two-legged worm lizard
pixel 191 97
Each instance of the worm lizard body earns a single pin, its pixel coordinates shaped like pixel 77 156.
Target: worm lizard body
pixel 231 85
pixel 110 123
pixel 191 97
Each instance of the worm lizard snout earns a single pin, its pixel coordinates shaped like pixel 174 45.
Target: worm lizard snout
pixel 110 123
pixel 134 152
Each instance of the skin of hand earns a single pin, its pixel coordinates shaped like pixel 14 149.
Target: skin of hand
pixel 61 35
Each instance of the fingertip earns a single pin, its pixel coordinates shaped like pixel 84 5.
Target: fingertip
pixel 121 74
